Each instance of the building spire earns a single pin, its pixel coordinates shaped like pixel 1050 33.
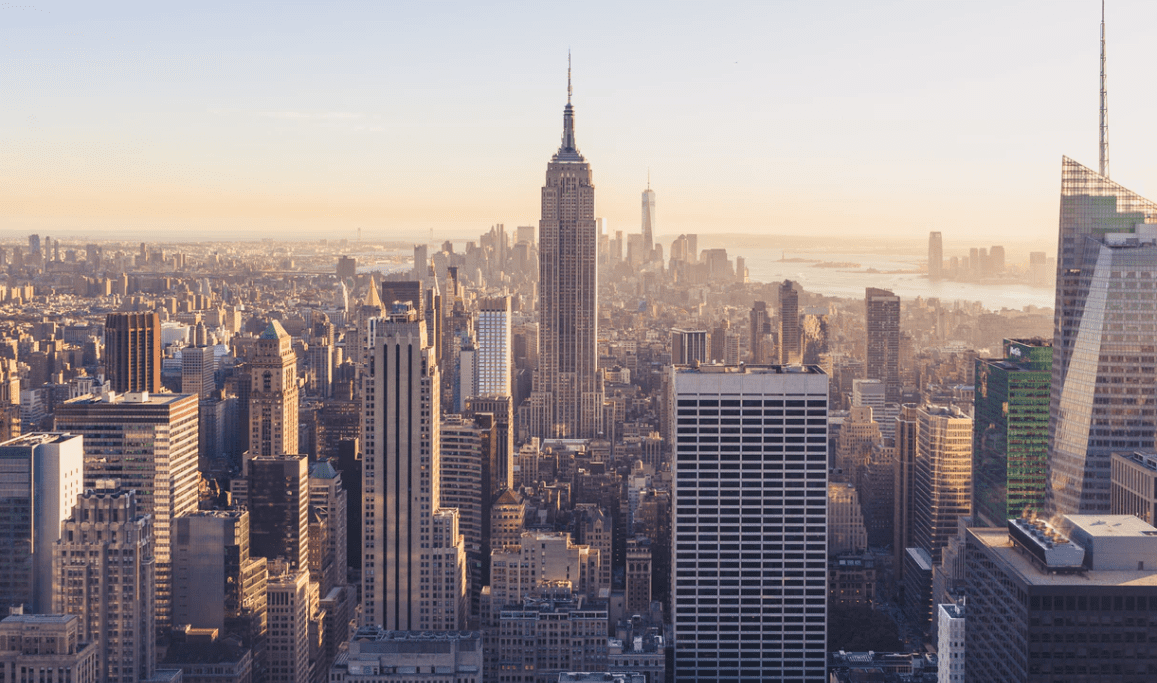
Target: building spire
pixel 568 89
pixel 1103 148
pixel 568 151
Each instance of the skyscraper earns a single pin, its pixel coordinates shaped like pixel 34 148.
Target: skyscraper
pixel 41 476
pixel 494 361
pixel 198 368
pixel 329 503
pixel 904 493
pixel 648 221
pixel 935 256
pixel 943 483
pixel 789 334
pixel 1104 373
pixel 273 394
pixel 1010 432
pixel 103 572
pixel 688 346
pixel 750 523
pixel 883 336
pixel 148 443
pixel 760 326
pixel 278 502
pixel 568 385
pixel 216 582
pixel 404 534
pixel 133 351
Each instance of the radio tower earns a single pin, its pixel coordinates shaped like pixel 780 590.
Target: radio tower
pixel 1104 146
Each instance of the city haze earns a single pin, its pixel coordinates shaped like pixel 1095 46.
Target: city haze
pixel 296 120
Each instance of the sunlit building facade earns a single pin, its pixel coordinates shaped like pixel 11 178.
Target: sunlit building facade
pixel 1104 371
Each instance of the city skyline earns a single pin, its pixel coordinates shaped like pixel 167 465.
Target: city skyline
pixel 228 123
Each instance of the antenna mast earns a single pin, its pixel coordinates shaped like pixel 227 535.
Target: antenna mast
pixel 1104 143
pixel 568 90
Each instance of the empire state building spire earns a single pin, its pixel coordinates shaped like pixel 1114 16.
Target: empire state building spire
pixel 567 151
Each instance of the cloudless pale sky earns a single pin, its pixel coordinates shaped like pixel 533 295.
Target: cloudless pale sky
pixel 217 119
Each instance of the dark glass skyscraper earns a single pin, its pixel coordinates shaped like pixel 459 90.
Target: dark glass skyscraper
pixel 883 352
pixel 1010 431
pixel 1104 370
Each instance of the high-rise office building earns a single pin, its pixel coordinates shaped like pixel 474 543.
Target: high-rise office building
pixel 1104 370
pixel 467 461
pixel 217 583
pixel 1134 489
pixel 751 467
pixel 273 394
pixel 760 327
pixel 943 485
pixel 1032 586
pixel 103 572
pixel 935 256
pixel 567 400
pixel 405 533
pixel 1011 431
pixel 288 642
pixel 198 371
pixel 688 346
pixel 148 443
pixel 132 343
pixel 648 221
pixel 789 332
pixel 328 537
pixel 494 362
pixel 904 492
pixel 883 341
pixel 502 408
pixel 277 497
pixel 41 476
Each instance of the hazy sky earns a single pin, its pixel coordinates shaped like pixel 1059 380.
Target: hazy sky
pixel 314 119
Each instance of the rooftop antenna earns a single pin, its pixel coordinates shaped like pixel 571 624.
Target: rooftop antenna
pixel 1104 145
pixel 568 90
pixel 648 178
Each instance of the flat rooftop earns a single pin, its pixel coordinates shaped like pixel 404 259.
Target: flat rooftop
pixel 40 438
pixel 1116 526
pixel 1146 459
pixel 131 398
pixel 1018 564
pixel 719 369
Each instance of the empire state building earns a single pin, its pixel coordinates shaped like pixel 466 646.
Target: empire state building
pixel 567 400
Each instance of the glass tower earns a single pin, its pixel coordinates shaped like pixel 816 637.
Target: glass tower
pixel 1010 432
pixel 1104 371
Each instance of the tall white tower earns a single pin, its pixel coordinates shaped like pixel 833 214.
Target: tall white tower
pixel 750 527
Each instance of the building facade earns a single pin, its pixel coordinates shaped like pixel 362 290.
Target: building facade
pixel 750 465
pixel 104 573
pixel 883 341
pixel 1011 431
pixel 943 485
pixel 273 399
pixel 147 443
pixel 132 343
pixel 41 476
pixel 46 648
pixel 1104 369
pixel 567 399
pixel 402 486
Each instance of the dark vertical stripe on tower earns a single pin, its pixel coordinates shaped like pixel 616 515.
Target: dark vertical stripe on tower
pixel 410 477
pixel 397 489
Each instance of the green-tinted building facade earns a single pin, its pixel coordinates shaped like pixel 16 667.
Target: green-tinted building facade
pixel 1011 431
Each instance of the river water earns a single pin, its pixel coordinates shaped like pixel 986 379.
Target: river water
pixel 763 265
